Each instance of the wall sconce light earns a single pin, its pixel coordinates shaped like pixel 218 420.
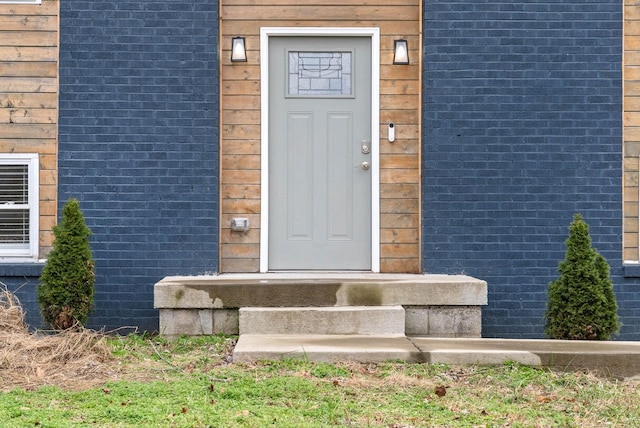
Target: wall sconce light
pixel 238 50
pixel 400 52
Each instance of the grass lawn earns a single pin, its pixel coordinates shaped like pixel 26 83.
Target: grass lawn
pixel 149 382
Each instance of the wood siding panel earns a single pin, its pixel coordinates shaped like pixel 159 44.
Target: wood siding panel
pixel 344 12
pixel 28 53
pixel 28 23
pixel 28 115
pixel 241 191
pixel 31 131
pixel 29 97
pixel 399 236
pixel 46 8
pixel 28 85
pixel 26 38
pixel 318 3
pixel 399 103
pixel 25 145
pixel 28 69
pixel 631 131
pixel 25 100
pixel 252 28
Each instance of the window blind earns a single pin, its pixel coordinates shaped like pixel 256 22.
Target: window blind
pixel 14 204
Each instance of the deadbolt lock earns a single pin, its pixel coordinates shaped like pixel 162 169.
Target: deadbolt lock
pixel 365 147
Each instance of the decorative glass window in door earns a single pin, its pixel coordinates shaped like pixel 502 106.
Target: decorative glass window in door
pixel 320 74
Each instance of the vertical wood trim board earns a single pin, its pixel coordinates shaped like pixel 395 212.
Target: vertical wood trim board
pixel 631 131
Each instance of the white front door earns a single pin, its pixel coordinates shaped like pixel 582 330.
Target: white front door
pixel 319 143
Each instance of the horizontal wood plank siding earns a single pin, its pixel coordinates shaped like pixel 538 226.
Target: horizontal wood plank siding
pixel 29 96
pixel 631 134
pixel 399 103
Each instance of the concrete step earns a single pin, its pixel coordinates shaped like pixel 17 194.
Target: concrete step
pixel 436 305
pixel 342 320
pixel 326 348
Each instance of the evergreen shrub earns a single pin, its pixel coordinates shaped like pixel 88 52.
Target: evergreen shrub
pixel 581 303
pixel 66 289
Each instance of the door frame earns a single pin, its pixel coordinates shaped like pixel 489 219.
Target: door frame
pixel 374 34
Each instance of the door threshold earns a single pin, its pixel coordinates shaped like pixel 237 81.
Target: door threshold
pixel 319 271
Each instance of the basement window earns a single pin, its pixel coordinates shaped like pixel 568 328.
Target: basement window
pixel 18 207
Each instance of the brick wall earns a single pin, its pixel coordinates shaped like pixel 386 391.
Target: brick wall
pixel 522 128
pixel 139 144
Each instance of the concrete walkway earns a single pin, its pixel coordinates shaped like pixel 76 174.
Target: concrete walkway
pixel 611 358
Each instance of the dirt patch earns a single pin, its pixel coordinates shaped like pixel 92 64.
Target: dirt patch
pixel 73 359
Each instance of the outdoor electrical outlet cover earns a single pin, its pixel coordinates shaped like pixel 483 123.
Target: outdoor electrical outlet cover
pixel 240 224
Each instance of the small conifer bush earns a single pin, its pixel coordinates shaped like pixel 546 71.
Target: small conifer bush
pixel 581 304
pixel 66 289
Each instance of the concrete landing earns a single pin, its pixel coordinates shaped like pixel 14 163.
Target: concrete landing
pixel 615 359
pixel 317 289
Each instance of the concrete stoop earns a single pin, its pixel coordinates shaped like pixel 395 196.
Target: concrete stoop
pixel 365 317
pixel 614 359
pixel 431 305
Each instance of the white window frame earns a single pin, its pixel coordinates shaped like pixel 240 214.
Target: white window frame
pixel 9 253
pixel 20 1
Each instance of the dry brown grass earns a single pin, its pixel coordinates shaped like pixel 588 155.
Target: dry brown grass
pixel 73 359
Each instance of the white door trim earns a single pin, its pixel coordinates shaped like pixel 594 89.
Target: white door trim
pixel 374 34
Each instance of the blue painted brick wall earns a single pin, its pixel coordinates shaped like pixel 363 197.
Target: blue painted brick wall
pixel 139 144
pixel 522 128
pixel 22 280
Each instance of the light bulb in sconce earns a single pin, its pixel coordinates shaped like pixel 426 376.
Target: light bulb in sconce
pixel 238 50
pixel 400 52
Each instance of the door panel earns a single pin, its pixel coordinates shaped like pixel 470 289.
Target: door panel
pixel 338 177
pixel 319 117
pixel 300 182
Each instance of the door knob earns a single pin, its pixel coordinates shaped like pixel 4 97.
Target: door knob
pixel 365 165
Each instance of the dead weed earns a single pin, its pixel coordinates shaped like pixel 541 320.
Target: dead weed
pixel 73 359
